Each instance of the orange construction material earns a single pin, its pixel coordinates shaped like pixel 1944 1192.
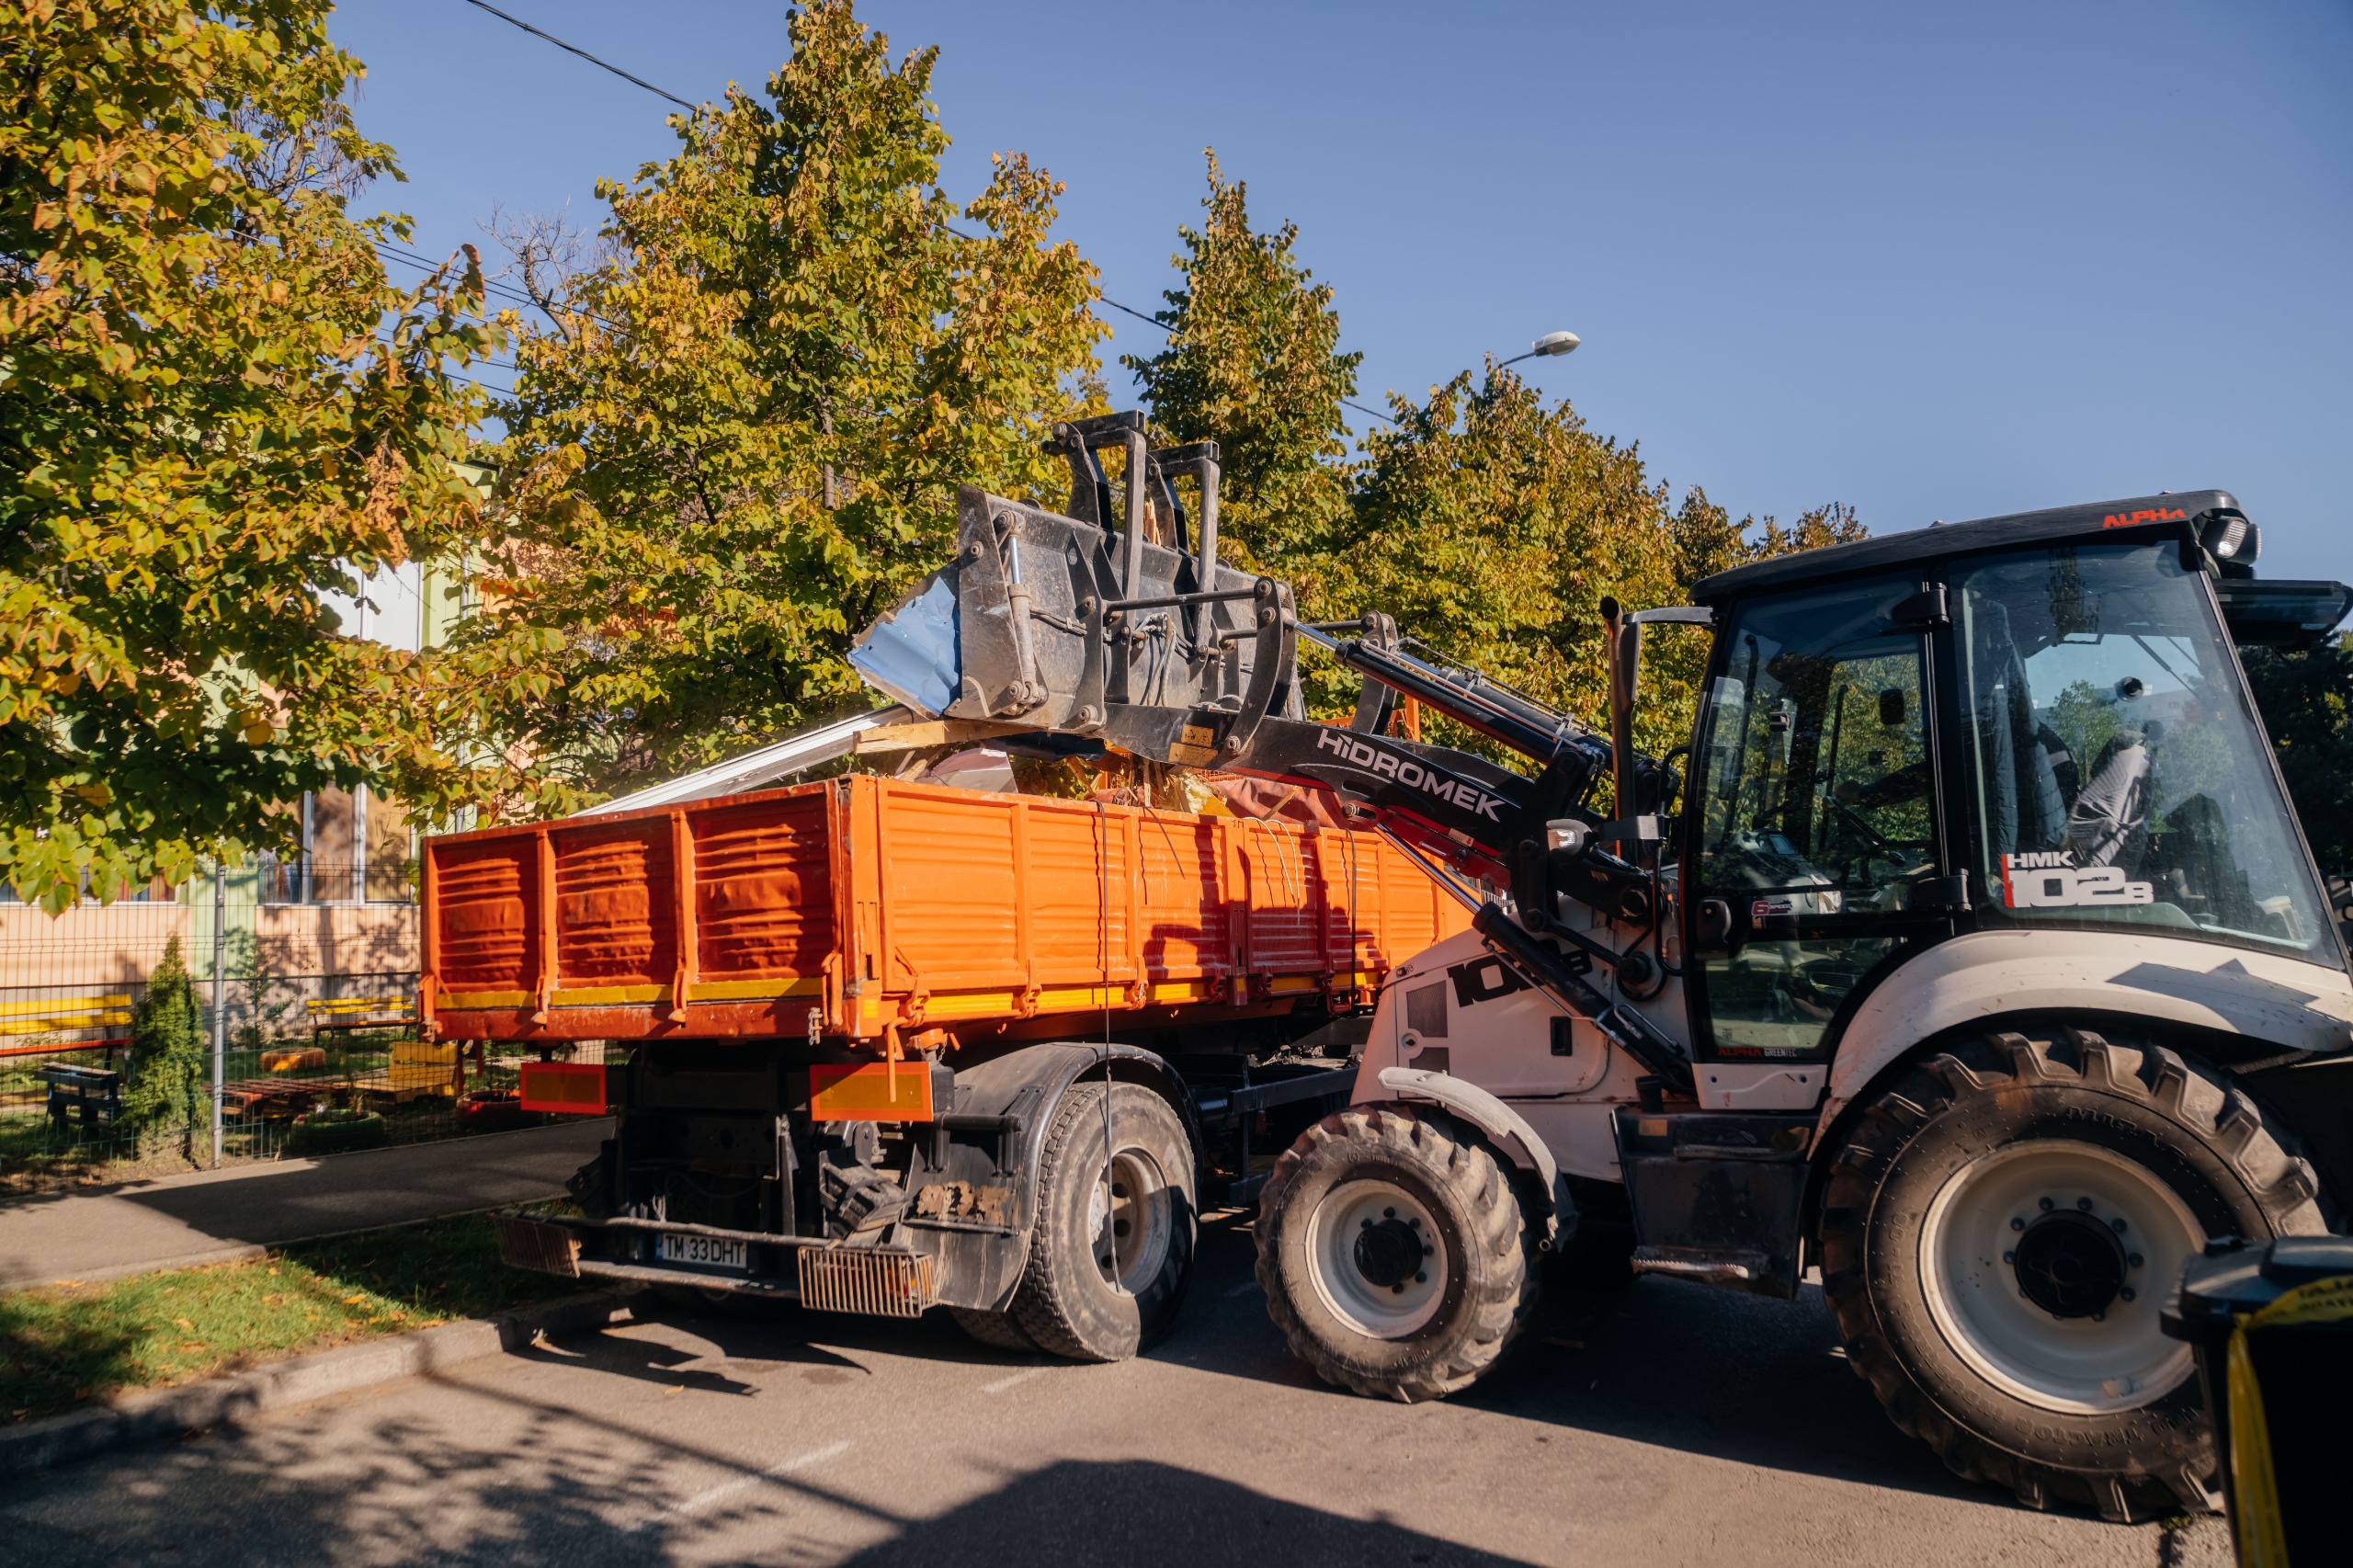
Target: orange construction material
pixel 861 907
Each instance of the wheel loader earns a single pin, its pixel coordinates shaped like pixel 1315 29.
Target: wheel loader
pixel 1968 957
pixel 1969 954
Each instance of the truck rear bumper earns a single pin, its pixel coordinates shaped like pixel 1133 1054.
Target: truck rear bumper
pixel 879 1281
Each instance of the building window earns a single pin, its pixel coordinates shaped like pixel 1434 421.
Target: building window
pixel 357 847
pixel 391 849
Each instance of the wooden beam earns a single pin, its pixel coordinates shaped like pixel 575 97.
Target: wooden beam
pixel 932 732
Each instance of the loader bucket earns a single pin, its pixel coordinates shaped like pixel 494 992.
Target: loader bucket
pixel 1059 623
pixel 1139 637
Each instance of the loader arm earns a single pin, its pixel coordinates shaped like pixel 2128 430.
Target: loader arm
pixel 1142 640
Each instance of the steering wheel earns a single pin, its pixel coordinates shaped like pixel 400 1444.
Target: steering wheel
pixel 1856 820
pixel 1852 870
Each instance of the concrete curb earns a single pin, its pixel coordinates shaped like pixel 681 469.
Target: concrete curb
pixel 235 1252
pixel 166 1414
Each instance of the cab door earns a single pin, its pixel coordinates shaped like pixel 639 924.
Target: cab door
pixel 1815 839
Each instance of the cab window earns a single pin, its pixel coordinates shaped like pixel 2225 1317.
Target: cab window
pixel 1817 820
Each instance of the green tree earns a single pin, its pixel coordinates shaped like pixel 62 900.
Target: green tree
pixel 213 410
pixel 166 1090
pixel 1706 540
pixel 2305 696
pixel 1252 363
pixel 1489 523
pixel 1492 525
pixel 741 439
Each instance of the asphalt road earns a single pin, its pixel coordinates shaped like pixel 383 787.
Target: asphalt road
pixel 216 1216
pixel 1659 1423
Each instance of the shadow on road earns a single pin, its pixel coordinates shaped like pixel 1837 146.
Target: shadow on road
pixel 1662 1362
pixel 1665 1362
pixel 525 1480
pixel 556 1487
pixel 1078 1511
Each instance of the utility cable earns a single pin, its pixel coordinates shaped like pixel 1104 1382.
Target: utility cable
pixel 657 92
pixel 576 49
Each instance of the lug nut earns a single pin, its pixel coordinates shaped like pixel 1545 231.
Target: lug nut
pixel 1367 1224
pixel 1389 1214
pixel 2016 1224
pixel 2047 1205
pixel 1427 1249
pixel 2085 1204
pixel 1421 1279
pixel 1397 1290
pixel 2126 1293
pixel 2133 1258
pixel 2117 1225
pixel 2008 1257
pixel 2100 1316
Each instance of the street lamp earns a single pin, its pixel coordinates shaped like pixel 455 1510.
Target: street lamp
pixel 1546 347
pixel 1550 345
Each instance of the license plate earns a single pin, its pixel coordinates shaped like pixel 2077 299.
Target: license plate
pixel 708 1252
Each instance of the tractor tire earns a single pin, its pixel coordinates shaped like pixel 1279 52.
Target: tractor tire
pixel 1998 1232
pixel 1394 1255
pixel 1107 1272
pixel 996 1330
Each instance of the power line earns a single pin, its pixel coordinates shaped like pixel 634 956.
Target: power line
pixel 1150 321
pixel 504 292
pixel 639 81
pixel 574 49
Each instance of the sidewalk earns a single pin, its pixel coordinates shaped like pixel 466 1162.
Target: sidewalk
pixel 218 1216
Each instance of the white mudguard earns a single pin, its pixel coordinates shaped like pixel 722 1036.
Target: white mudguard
pixel 1989 974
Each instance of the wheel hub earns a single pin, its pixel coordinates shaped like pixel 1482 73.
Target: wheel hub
pixel 2042 1264
pixel 1376 1257
pixel 2070 1265
pixel 1388 1253
pixel 1130 1217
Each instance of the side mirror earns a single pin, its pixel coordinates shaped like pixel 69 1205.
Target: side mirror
pixel 1891 708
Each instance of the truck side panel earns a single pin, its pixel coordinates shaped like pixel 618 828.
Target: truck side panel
pixel 880 905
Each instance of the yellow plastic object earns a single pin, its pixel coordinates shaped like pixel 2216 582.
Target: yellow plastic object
pixel 2263 1543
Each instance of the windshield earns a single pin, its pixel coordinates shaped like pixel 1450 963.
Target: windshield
pixel 2120 774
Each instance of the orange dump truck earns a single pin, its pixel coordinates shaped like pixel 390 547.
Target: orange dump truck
pixel 895 1045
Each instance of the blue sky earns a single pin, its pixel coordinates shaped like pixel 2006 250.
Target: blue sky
pixel 1935 262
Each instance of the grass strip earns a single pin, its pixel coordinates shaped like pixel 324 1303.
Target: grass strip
pixel 68 1344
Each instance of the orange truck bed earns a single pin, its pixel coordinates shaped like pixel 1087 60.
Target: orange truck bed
pixel 863 907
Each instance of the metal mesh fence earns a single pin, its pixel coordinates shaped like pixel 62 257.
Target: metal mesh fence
pixel 310 974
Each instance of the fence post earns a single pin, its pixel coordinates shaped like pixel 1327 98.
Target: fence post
pixel 219 1005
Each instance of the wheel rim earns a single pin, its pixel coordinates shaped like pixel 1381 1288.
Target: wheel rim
pixel 1129 1226
pixel 1378 1264
pixel 2044 1263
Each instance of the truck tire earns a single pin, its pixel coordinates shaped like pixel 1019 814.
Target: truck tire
pixel 1394 1255
pixel 1108 1271
pixel 1998 1232
pixel 999 1331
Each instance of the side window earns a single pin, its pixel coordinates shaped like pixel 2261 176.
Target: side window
pixel 1817 817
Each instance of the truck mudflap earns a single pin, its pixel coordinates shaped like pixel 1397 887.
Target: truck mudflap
pixel 1717 1196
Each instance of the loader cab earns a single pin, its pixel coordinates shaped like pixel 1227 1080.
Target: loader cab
pixel 2030 722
